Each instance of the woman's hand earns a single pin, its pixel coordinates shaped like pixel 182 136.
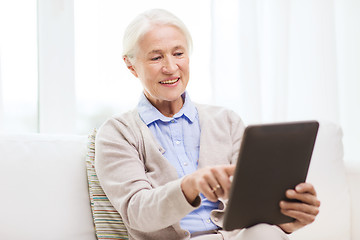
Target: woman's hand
pixel 305 211
pixel 212 182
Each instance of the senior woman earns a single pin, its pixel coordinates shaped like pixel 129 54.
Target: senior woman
pixel 165 166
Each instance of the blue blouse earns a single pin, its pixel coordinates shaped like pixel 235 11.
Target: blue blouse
pixel 180 137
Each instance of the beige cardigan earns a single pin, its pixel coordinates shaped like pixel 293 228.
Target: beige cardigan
pixel 143 186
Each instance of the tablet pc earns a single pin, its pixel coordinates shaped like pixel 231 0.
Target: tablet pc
pixel 272 159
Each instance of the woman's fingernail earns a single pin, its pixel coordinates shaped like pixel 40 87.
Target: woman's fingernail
pixel 291 192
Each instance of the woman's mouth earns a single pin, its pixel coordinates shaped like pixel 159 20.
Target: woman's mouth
pixel 170 81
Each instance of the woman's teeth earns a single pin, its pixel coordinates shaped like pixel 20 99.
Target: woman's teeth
pixel 170 81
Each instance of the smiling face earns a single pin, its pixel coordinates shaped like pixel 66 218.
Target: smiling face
pixel 162 65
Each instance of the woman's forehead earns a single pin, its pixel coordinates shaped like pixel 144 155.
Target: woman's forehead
pixel 160 38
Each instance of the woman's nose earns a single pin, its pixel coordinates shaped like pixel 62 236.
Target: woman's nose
pixel 169 66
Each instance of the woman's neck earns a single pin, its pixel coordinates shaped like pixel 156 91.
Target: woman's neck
pixel 168 108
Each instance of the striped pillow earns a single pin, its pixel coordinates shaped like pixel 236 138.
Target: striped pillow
pixel 108 222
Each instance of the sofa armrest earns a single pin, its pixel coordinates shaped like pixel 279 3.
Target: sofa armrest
pixel 353 175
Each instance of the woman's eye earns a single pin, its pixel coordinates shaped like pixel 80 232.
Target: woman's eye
pixel 178 54
pixel 156 58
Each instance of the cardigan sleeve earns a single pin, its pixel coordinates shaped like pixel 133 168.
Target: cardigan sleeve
pixel 122 174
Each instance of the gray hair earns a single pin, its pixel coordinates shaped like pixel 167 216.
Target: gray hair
pixel 143 24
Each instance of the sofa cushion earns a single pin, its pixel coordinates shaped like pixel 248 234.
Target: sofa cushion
pixel 44 192
pixel 327 173
pixel 108 222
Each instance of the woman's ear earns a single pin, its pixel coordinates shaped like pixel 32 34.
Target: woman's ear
pixel 130 66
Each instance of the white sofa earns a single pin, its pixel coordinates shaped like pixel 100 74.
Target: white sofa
pixel 44 192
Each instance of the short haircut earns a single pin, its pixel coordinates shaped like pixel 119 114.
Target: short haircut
pixel 143 23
